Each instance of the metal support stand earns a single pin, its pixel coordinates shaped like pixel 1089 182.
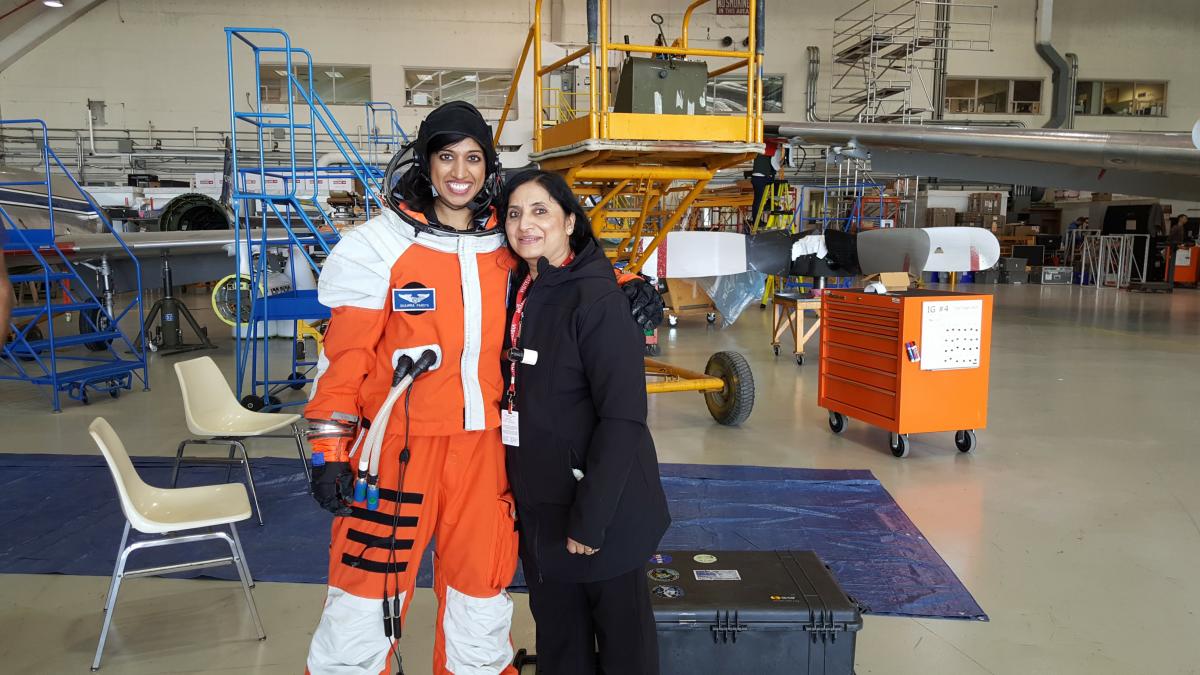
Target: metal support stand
pixel 169 334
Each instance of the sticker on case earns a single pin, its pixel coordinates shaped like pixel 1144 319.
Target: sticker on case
pixel 717 575
pixel 663 574
pixel 705 558
pixel 668 592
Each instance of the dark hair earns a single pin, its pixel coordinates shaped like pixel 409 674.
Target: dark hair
pixel 561 193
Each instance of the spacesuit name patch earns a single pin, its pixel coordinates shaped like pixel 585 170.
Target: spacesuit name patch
pixel 414 299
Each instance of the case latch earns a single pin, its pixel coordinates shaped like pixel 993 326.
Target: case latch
pixel 725 629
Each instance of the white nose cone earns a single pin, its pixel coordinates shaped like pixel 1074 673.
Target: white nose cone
pixel 1196 134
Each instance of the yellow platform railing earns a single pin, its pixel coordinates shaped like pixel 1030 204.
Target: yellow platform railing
pixel 599 49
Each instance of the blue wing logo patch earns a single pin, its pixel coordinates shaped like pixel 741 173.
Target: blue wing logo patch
pixel 414 299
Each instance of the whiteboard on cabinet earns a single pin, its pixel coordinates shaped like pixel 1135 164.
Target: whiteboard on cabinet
pixel 951 334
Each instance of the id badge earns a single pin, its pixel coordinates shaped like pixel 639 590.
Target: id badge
pixel 510 433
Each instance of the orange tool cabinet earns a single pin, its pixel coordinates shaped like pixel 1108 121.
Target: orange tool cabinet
pixel 877 367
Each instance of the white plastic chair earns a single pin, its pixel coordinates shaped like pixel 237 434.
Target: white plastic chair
pixel 170 513
pixel 212 410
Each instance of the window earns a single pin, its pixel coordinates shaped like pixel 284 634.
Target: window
pixel 433 86
pixel 335 85
pixel 1121 97
pixel 993 96
pixel 727 94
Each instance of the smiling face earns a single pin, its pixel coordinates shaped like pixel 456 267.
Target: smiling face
pixel 537 226
pixel 457 172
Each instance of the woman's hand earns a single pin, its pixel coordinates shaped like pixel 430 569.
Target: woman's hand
pixel 578 548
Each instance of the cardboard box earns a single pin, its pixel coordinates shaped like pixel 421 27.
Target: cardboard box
pixel 985 203
pixel 939 217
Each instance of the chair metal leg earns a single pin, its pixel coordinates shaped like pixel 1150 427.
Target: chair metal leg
pixel 178 460
pixel 237 543
pixel 229 467
pixel 303 458
pixel 113 582
pixel 244 575
pixel 249 478
pixel 111 605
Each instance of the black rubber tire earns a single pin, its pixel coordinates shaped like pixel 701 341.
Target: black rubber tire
pixel 253 403
pixel 837 422
pixel 274 403
pixel 732 405
pixel 711 317
pixel 98 319
pixel 799 359
pixel 775 348
pixel 898 444
pixel 114 392
pixel 298 381
pixel 965 440
pixel 653 350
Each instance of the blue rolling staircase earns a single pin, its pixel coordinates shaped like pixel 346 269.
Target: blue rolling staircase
pixel 101 356
pixel 283 198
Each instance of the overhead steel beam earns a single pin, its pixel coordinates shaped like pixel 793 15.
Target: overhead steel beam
pixel 40 28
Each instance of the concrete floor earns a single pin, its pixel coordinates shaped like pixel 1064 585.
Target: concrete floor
pixel 1075 524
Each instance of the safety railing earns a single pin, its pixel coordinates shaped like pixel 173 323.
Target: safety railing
pixel 99 318
pixel 595 58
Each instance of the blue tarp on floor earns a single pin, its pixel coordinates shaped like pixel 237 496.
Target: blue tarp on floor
pixel 63 518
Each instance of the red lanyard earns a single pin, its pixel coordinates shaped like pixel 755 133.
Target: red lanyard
pixel 514 331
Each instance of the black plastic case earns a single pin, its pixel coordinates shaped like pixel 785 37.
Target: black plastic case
pixel 759 612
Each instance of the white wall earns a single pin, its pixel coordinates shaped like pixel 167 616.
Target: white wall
pixel 163 61
pixel 1114 39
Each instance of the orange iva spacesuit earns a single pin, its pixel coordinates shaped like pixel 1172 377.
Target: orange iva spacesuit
pixel 398 289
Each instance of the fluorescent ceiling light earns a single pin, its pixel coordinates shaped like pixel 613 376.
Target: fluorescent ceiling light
pixel 333 74
pixel 281 73
pixel 52 3
pixel 471 78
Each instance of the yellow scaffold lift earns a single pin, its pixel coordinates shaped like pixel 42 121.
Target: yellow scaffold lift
pixel 639 154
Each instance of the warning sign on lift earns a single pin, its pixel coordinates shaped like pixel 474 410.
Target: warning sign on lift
pixel 733 7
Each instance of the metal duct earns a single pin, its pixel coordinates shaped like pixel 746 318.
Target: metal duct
pixel 810 92
pixel 1170 152
pixel 593 21
pixel 760 27
pixel 1061 96
pixel 1072 59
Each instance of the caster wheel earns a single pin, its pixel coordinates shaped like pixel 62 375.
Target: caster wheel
pixel 115 393
pixel 837 422
pixel 83 398
pixel 898 444
pixel 711 317
pixel 253 403
pixel 297 381
pixel 965 440
pixel 672 321
pixel 775 348
pixel 273 402
pixel 653 350
pixel 799 359
pixel 732 404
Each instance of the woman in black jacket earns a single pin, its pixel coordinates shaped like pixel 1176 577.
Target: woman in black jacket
pixel 581 461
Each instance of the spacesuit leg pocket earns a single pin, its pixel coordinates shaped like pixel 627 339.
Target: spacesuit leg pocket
pixel 504 550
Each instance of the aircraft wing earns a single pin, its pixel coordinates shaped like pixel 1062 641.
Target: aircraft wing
pixel 1152 164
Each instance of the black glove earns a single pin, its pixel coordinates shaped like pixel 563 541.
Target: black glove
pixel 644 302
pixel 333 487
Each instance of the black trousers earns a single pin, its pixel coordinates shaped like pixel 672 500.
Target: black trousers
pixel 574 619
